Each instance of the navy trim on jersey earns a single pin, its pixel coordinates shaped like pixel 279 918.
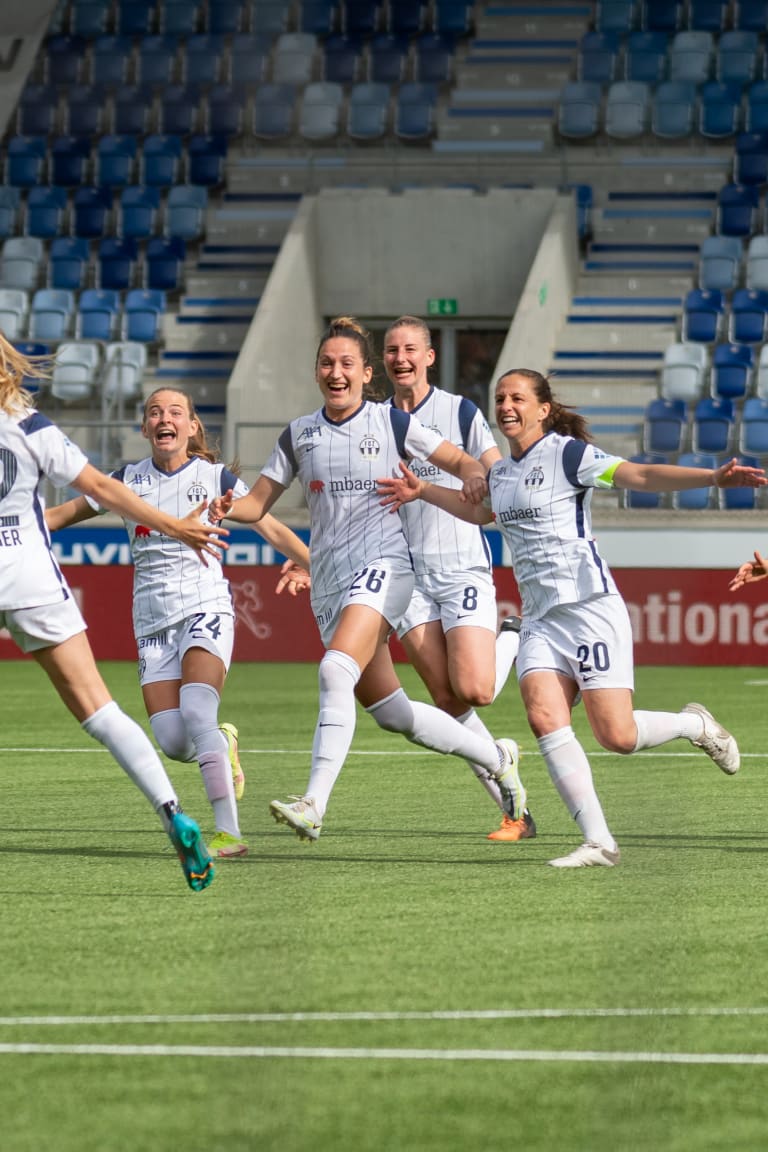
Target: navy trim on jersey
pixel 285 444
pixel 420 404
pixel 34 422
pixel 401 422
pixel 467 412
pixel 119 474
pixel 227 480
pixel 573 454
pixel 346 420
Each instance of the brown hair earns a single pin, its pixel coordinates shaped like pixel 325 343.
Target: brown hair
pixel 562 419
pixel 351 328
pixel 15 368
pixel 198 443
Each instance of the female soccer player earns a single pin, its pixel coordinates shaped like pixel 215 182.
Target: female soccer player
pixel 449 628
pixel 36 604
pixel 362 575
pixel 183 616
pixel 576 634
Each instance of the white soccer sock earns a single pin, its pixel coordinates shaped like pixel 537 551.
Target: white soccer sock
pixel 432 728
pixel 131 747
pixel 472 721
pixel 571 774
pixel 171 734
pixel 507 647
pixel 654 728
pixel 200 712
pixel 337 675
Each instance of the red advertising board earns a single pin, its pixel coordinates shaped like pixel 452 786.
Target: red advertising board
pixel 679 616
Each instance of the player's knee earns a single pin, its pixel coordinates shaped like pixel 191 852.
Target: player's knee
pixel 617 740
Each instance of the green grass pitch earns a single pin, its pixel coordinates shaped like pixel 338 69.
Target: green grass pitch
pixel 403 985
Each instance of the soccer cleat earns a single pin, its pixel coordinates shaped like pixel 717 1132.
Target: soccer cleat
pixel 301 815
pixel 511 624
pixel 718 744
pixel 522 829
pixel 513 793
pixel 589 855
pixel 193 855
pixel 225 846
pixel 230 734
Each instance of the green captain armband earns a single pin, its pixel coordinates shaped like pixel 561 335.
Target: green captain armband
pixel 605 479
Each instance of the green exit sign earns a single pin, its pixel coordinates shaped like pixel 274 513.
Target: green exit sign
pixel 442 307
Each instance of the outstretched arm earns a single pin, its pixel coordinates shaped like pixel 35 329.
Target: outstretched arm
pixel 283 539
pixel 70 512
pixel 250 508
pixel 118 497
pixel 673 478
pixel 748 573
pixel 398 490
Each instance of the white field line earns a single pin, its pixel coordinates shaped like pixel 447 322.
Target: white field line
pixel 594 754
pixel 443 1054
pixel 375 1017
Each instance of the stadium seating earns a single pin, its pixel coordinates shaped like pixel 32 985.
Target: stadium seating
pixel 737 206
pixel 665 425
pixel 713 425
pixel 703 313
pixel 748 316
pixel 633 499
pixel 732 366
pixel 695 499
pixel 320 111
pixel 626 109
pixel 138 211
pixel 185 211
pixel 753 429
pixel 124 366
pixel 368 111
pixel 21 261
pixel 97 314
pixel 673 109
pixel 143 311
pixel 756 274
pixel 720 263
pixel 75 370
pixel 578 114
pixel 683 373
pixel 14 309
pixel 68 263
pixel 645 57
pixel 273 111
pixel 45 212
pixel 415 111
pixel 51 314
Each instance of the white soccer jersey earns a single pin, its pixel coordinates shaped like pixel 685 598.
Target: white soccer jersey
pixel 170 583
pixel 542 506
pixel 439 541
pixel 31 449
pixel 338 466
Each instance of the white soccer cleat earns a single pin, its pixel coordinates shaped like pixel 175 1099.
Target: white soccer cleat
pixel 508 779
pixel 589 855
pixel 718 744
pixel 301 815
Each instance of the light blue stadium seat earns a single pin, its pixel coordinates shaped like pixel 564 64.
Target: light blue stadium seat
pixel 415 111
pixel 185 211
pixel 691 56
pixel 97 314
pixel 75 370
pixel 21 260
pixel 320 111
pixel 756 275
pixel 578 115
pixel 293 58
pixel 51 314
pixel 143 312
pixel 14 310
pixel 273 111
pixel 125 363
pixel 753 430
pixel 626 109
pixel 368 111
pixel 673 109
pixel 684 371
pixel 719 109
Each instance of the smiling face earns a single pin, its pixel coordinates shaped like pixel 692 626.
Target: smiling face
pixel 342 375
pixel 168 426
pixel 520 415
pixel 407 358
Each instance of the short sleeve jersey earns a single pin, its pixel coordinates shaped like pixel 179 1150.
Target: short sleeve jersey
pixel 439 541
pixel 541 505
pixel 31 449
pixel 338 466
pixel 170 583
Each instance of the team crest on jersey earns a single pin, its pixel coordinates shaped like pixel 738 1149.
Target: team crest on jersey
pixel 535 477
pixel 196 493
pixel 369 447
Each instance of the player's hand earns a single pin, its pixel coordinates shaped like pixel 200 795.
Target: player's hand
pixel 220 506
pixel 748 573
pixel 398 490
pixel 735 475
pixel 475 490
pixel 201 538
pixel 293 579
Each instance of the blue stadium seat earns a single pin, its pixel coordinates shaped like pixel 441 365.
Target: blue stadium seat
pixel 756 111
pixel 719 109
pixel 732 366
pixel 45 211
pixel 135 17
pixel 690 56
pixel 751 14
pixel 90 18
pixel 661 15
pixel 736 59
pixel 633 499
pixel 433 59
pixel 201 59
pixel 452 17
pixel 224 111
pixel 578 115
pixel 720 262
pixel 342 60
pixel 25 161
pixel 753 430
pixel 179 109
pixel 143 313
pixel 273 111
pixel 748 318
pixel 713 425
pixel 645 57
pixel 157 63
pixel 387 59
pixel 84 110
pixel 665 425
pixel 97 314
pixel 70 158
pixel 756 275
pixel 406 17
pixel 708 15
pixel 368 111
pixel 14 310
pixel 37 113
pixel 361 18
pixel 616 16
pixel 51 314
pixel 225 17
pixel 179 17
pixel 703 313
pixel 415 111
pixel 138 211
pixel 185 211
pixel 317 17
pixel 164 262
pixel 111 60
pixel 65 60
pixel 116 262
pixel 673 109
pixel 750 160
pixel 270 16
pixel 206 157
pixel 10 199
pixel 91 211
pixel 132 110
pixel 597 59
pixel 249 56
pixel 161 157
pixel 695 499
pixel 739 498
pixel 115 160
pixel 737 206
